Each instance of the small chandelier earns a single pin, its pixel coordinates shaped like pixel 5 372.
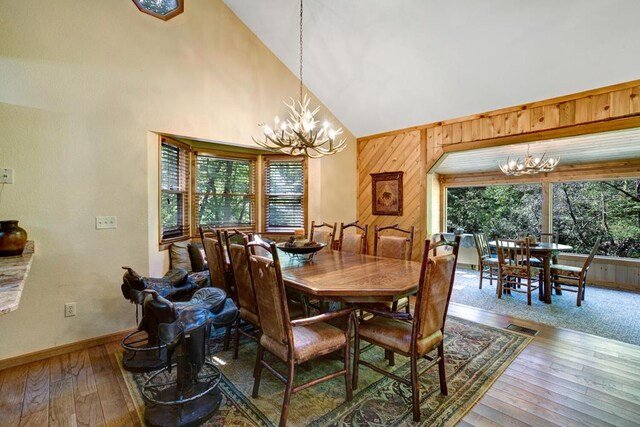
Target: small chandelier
pixel 300 134
pixel 530 165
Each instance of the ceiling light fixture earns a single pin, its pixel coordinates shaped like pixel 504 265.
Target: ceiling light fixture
pixel 530 165
pixel 300 135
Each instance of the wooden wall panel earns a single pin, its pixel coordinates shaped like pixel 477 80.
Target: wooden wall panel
pixel 401 152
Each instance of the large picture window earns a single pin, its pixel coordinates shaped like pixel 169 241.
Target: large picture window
pixel 174 188
pixel 582 211
pixel 284 193
pixel 225 191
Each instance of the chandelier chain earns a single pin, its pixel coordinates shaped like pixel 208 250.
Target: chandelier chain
pixel 300 50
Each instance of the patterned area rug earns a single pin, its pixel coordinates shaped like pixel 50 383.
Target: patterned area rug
pixel 476 355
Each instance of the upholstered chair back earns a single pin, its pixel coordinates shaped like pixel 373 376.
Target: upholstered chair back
pixel 323 233
pixel 399 245
pixel 213 251
pixel 271 297
pixel 353 242
pixel 433 298
pixel 242 275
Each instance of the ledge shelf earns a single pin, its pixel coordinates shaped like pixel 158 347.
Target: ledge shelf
pixel 13 274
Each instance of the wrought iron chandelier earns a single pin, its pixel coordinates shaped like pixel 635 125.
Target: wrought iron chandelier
pixel 530 165
pixel 300 134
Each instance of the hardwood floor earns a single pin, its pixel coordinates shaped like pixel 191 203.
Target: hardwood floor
pixel 562 378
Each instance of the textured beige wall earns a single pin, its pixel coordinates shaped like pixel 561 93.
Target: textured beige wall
pixel 84 87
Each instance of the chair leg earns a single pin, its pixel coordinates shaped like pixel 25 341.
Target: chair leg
pixel 257 372
pixel 499 289
pixel 529 291
pixel 415 387
pixel 444 390
pixel 356 360
pixel 236 339
pixel 347 370
pixel 481 274
pixel 392 358
pixel 287 395
pixel 227 337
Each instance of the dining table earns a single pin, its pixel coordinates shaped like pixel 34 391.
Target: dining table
pixel 350 278
pixel 544 251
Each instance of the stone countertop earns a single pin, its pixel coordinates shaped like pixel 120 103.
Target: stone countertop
pixel 13 274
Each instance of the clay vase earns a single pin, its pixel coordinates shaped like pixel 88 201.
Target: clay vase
pixel 12 238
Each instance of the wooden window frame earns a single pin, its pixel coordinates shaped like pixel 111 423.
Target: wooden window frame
pixel 186 216
pixel 225 156
pixel 265 203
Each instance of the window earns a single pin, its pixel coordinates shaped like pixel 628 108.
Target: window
pixel 499 210
pixel 224 191
pixel 611 209
pixel 174 188
pixel 284 193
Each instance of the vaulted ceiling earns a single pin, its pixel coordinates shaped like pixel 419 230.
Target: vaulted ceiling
pixel 382 65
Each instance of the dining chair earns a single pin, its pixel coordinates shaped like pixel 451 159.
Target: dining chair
pixel 394 246
pixel 323 233
pixel 573 279
pixel 548 237
pixel 514 266
pixel 353 242
pixel 219 276
pixel 487 263
pixel 293 341
pixel 418 335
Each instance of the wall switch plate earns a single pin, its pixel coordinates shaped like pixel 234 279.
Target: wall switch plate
pixel 104 222
pixel 6 176
pixel 70 309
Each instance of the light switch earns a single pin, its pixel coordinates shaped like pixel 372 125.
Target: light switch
pixel 6 176
pixel 105 222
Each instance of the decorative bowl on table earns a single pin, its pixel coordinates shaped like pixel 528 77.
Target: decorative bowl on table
pixel 300 250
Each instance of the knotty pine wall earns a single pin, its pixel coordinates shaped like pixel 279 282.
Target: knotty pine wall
pixel 400 152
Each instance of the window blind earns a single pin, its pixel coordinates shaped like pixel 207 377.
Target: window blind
pixel 174 186
pixel 225 191
pixel 284 193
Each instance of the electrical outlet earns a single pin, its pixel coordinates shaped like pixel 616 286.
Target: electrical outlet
pixel 70 309
pixel 6 176
pixel 104 222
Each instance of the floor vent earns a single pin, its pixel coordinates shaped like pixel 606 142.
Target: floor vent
pixel 522 330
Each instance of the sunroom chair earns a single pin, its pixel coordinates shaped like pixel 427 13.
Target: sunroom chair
pixel 418 335
pixel 353 242
pixel 488 264
pixel 398 245
pixel 323 233
pixel 293 341
pixel 515 269
pixel 573 279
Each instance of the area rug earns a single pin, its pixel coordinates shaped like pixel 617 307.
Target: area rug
pixel 476 355
pixel 608 313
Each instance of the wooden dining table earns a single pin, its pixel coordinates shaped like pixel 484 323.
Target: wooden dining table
pixel 350 278
pixel 544 251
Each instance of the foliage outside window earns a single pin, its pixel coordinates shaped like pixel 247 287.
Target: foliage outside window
pixel 174 188
pixel 498 211
pixel 225 191
pixel 284 188
pixel 611 209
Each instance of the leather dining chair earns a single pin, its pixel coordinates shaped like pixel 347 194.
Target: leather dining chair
pixel 323 233
pixel 399 245
pixel 418 335
pixel 573 279
pixel 293 341
pixel 353 242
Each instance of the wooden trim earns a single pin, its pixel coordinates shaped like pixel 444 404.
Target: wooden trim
pixel 165 243
pixel 582 172
pixel 62 349
pixel 532 105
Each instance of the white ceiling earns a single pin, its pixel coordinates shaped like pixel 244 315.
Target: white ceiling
pixel 597 147
pixel 382 65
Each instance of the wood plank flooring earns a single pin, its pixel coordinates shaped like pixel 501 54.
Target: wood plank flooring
pixel 562 378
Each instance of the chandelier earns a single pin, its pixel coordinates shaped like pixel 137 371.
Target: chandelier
pixel 530 165
pixel 300 133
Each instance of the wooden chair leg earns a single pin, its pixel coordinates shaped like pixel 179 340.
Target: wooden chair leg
pixel 227 337
pixel 287 395
pixel 499 289
pixel 415 388
pixel 392 358
pixel 441 371
pixel 481 274
pixel 347 369
pixel 257 372
pixel 356 360
pixel 236 339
